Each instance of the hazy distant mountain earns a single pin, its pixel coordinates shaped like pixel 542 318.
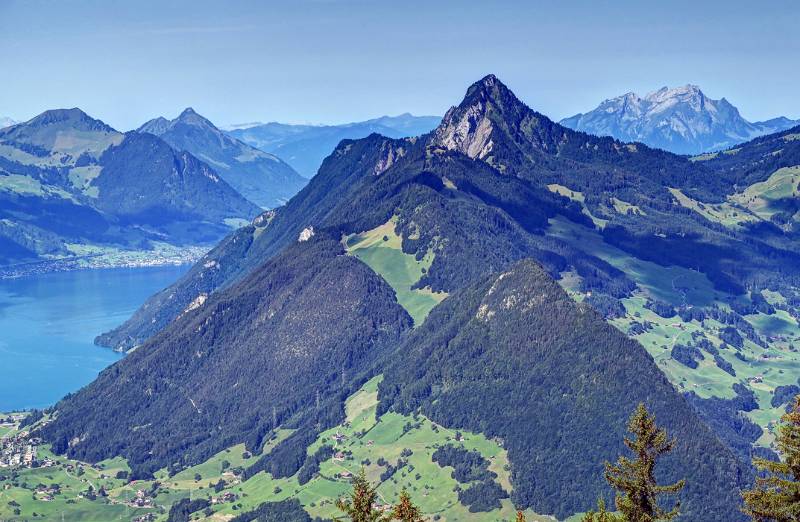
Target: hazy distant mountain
pixel 68 181
pixel 305 146
pixel 6 122
pixel 261 177
pixel 681 120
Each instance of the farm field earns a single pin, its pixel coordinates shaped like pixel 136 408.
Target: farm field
pixel 362 440
pixel 764 198
pixel 758 368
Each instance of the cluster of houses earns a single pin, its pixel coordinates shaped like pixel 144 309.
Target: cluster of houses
pixel 46 493
pixel 141 500
pixel 21 450
pixel 382 507
pixel 225 497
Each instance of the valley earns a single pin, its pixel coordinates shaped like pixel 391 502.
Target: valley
pixel 397 452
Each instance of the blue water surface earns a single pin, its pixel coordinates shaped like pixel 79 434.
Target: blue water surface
pixel 48 324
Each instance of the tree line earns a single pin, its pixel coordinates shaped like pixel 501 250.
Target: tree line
pixel 775 497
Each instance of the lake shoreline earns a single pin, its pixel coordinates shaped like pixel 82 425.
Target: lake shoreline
pixel 48 323
pixel 133 259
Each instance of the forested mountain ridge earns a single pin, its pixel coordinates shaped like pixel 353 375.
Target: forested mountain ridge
pixel 633 232
pixel 682 120
pixel 263 178
pixel 686 256
pixel 70 184
pixel 514 350
pixel 293 334
pixel 622 187
pixel 248 247
pixel 305 146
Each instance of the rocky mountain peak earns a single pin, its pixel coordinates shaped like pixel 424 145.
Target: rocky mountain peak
pixel 469 127
pixel 157 126
pixel 190 117
pixel 678 119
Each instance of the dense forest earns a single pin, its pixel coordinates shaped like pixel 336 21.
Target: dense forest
pixel 274 329
pixel 290 338
pixel 491 359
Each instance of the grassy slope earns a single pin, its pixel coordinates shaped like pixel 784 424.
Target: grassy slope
pixel 578 197
pixel 759 201
pixel 17 486
pixel 380 248
pixel 777 365
pixel 668 284
pixel 760 198
pixel 430 485
pixel 432 491
pixel 730 214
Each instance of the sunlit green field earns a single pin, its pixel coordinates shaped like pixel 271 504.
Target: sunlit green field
pixel 380 248
pixel 761 371
pixel 364 441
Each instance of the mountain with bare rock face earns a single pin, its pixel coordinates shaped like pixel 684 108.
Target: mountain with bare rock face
pixel 503 276
pixel 681 120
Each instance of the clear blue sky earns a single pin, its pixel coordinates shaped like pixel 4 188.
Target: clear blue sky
pixel 340 60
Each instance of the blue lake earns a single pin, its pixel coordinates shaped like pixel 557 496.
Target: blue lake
pixel 48 324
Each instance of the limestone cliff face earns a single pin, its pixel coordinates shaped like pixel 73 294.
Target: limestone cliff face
pixel 468 131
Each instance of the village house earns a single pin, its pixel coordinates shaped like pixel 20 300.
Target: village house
pixel 225 497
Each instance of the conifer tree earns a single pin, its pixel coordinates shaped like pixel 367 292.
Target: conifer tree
pixel 776 495
pixel 601 515
pixel 359 507
pixel 634 479
pixel 405 510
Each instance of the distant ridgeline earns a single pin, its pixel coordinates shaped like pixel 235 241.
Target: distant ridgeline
pixel 681 120
pixel 71 187
pixel 433 261
pixel 263 178
pixel 305 146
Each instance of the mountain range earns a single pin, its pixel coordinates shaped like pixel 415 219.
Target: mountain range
pixel 6 122
pixel 502 276
pixel 71 186
pixel 305 146
pixel 682 120
pixel 261 177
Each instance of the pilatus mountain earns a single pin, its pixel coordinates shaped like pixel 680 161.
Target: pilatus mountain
pixel 6 122
pixel 261 177
pixel 305 146
pixel 502 278
pixel 71 186
pixel 682 120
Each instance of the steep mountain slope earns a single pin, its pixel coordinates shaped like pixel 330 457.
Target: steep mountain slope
pixel 245 249
pixel 5 121
pixel 70 183
pixel 275 328
pixel 565 380
pixel 305 146
pixel 261 177
pixel 681 120
pixel 289 336
pixel 652 240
